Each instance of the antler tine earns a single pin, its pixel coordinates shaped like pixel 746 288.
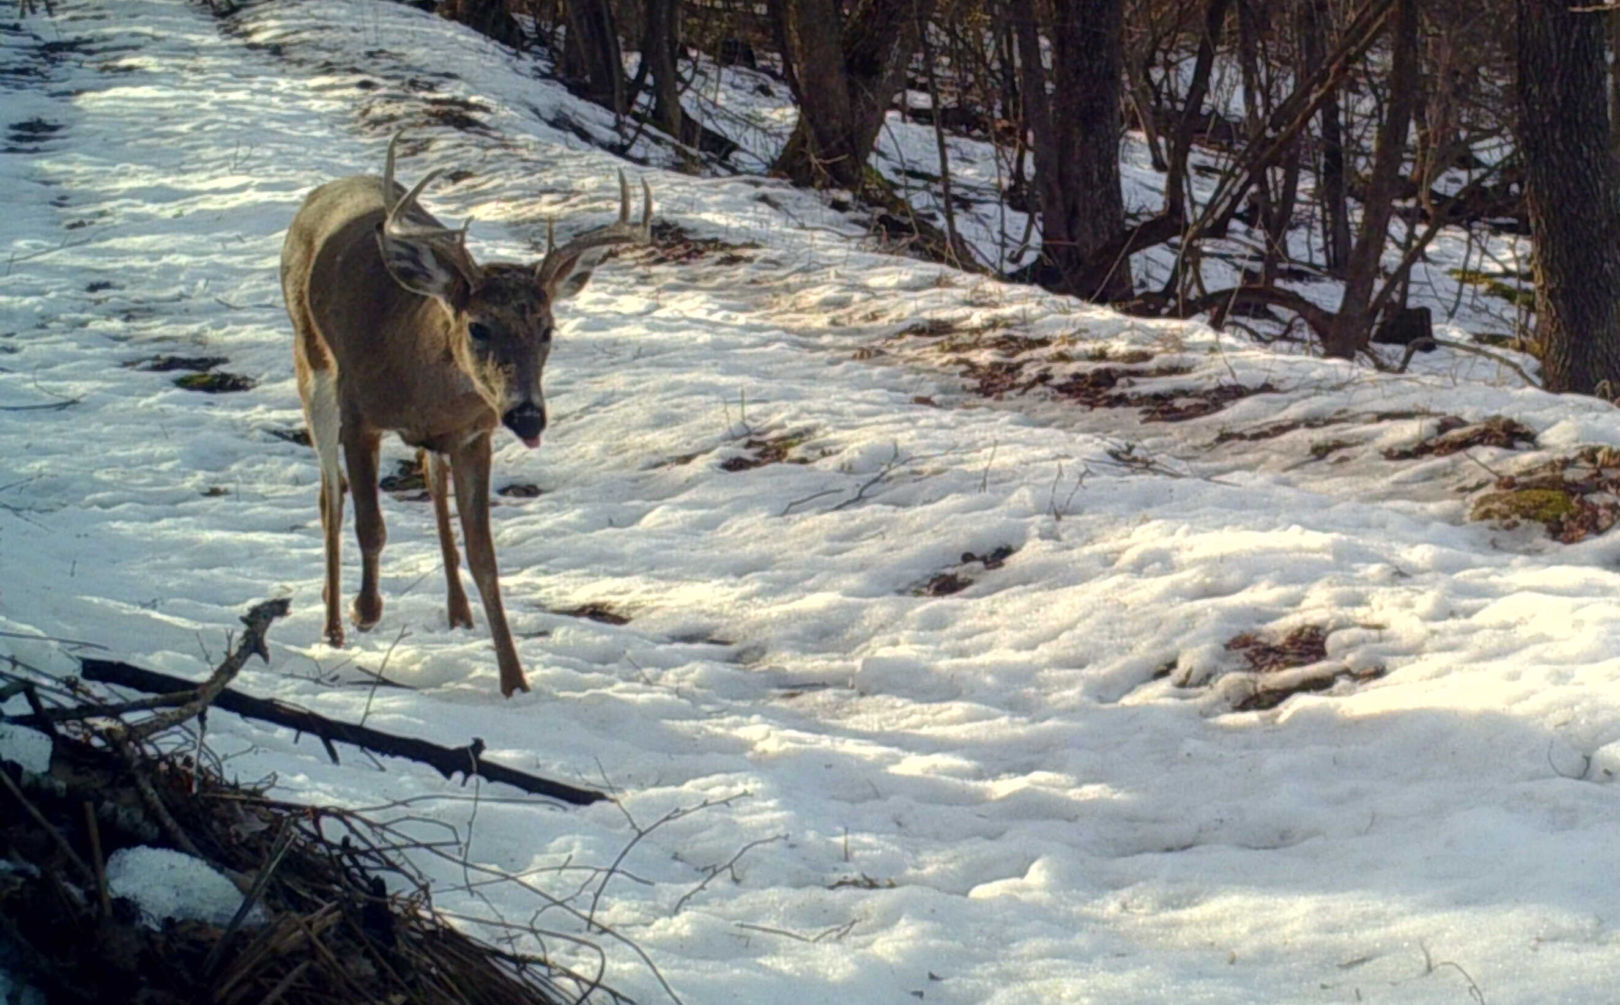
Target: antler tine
pixel 394 210
pixel 646 211
pixel 403 206
pixel 622 231
pixel 388 170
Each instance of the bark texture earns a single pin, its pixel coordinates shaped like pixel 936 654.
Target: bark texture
pixel 1076 129
pixel 844 70
pixel 1570 188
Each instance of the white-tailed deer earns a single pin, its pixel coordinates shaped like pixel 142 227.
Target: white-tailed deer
pixel 398 329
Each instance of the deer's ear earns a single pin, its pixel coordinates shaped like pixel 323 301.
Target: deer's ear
pixel 430 268
pixel 573 271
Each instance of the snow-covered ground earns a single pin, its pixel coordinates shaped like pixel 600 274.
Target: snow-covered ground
pixel 875 786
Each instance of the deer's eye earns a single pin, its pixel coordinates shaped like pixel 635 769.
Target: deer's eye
pixel 479 333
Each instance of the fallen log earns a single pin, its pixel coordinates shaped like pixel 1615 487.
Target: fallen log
pixel 446 760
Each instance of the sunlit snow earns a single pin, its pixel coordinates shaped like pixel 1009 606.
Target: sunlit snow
pixel 1033 789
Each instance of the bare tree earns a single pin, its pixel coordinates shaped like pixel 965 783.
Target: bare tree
pixel 1352 326
pixel 1076 127
pixel 660 54
pixel 487 17
pixel 844 69
pixel 1571 187
pixel 593 57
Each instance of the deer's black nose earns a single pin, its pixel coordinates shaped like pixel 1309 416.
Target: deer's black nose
pixel 528 421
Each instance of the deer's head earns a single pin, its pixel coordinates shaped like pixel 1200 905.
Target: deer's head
pixel 499 313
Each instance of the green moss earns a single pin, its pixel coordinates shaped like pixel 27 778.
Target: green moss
pixel 1515 289
pixel 1542 505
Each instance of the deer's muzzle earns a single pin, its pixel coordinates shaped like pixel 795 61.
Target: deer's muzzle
pixel 528 421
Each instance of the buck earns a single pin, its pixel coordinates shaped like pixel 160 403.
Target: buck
pixel 398 329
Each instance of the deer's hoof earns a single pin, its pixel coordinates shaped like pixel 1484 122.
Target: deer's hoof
pixel 367 612
pixel 460 616
pixel 334 636
pixel 512 684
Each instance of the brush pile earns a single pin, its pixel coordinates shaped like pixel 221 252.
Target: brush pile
pixel 330 908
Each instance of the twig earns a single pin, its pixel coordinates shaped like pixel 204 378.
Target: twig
pixel 641 832
pixel 790 507
pixel 258 620
pixel 893 462
pixel 728 866
pixel 54 406
pixel 150 797
pixel 93 828
pixel 278 851
pixel 446 760
pixel 1412 348
pixel 379 678
pixel 836 933
pixel 39 818
pixel 66 243
pixel 29 637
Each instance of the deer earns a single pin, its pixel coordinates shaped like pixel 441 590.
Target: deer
pixel 398 329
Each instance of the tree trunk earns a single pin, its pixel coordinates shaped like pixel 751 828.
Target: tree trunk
pixel 844 72
pixel 1313 22
pixel 1353 324
pixel 1175 185
pixel 660 51
pixel 487 17
pixel 593 56
pixel 1076 128
pixel 1571 191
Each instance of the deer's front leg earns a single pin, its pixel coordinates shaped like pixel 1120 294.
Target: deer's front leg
pixel 469 468
pixel 437 468
pixel 360 454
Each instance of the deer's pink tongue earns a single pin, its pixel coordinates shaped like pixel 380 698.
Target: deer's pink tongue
pixel 533 441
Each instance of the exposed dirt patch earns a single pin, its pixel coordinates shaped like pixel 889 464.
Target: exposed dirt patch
pixel 599 612
pixel 1305 644
pixel 932 328
pixel 459 114
pixel 1456 435
pixel 216 382
pixel 1001 377
pixel 299 435
pixel 1281 667
pixel 672 244
pixel 1573 497
pixel 767 450
pixel 1271 694
pixel 1112 387
pixel 956 579
pixel 519 490
pixel 168 364
pixel 1276 429
pixel 29 135
pixel 408 481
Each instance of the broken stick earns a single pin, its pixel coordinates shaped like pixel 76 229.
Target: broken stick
pixel 446 760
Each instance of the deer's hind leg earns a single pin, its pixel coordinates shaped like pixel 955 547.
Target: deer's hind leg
pixel 360 447
pixel 437 469
pixel 318 389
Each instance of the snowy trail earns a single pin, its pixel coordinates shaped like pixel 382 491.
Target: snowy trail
pixel 997 795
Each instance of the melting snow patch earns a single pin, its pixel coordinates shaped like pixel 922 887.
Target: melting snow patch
pixel 28 748
pixel 169 884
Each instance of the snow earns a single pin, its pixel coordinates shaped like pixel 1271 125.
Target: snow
pixel 832 785
pixel 167 884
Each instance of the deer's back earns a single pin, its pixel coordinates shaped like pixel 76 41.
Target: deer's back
pixel 347 311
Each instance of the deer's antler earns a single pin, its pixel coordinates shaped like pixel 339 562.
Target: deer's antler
pixel 559 263
pixel 405 218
